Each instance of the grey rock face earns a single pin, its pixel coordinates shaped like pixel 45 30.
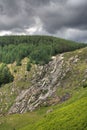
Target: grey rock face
pixel 44 85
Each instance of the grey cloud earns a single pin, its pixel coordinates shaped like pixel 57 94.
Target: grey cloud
pixel 59 16
pixel 1 9
pixel 37 2
pixel 10 7
pixel 13 15
pixel 55 15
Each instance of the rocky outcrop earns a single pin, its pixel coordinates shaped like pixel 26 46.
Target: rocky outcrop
pixel 44 84
pixel 65 71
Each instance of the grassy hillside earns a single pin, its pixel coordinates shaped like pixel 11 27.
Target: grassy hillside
pixel 70 115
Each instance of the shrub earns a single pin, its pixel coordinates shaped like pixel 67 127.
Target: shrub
pixel 29 66
pixel 5 74
pixel 84 85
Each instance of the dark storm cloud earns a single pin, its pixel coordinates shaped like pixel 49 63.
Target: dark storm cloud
pixel 13 15
pixel 66 15
pixel 53 15
pixel 37 3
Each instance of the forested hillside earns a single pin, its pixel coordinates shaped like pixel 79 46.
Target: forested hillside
pixel 39 49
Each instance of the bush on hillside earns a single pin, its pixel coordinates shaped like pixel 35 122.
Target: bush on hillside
pixel 29 66
pixel 85 85
pixel 5 75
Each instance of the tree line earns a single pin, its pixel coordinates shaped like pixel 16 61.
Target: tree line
pixel 39 49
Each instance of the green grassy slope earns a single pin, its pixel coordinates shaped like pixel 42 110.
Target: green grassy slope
pixel 70 115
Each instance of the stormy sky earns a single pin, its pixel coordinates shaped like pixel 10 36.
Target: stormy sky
pixel 62 18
